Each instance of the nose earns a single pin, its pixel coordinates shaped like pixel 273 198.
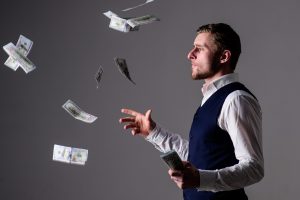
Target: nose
pixel 191 54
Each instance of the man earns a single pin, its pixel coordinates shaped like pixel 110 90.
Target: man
pixel 224 151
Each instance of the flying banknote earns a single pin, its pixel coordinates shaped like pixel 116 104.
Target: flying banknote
pixel 69 155
pixel 122 66
pixel 128 24
pixel 18 55
pixel 76 112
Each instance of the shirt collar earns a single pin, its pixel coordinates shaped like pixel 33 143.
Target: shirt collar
pixel 209 88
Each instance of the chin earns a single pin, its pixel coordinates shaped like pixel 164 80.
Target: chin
pixel 195 77
pixel 199 76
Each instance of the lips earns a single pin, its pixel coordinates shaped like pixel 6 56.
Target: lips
pixel 193 64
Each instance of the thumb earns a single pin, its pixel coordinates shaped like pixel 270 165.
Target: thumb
pixel 148 114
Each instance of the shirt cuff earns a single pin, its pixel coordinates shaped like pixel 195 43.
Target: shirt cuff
pixel 157 135
pixel 207 179
pixel 153 133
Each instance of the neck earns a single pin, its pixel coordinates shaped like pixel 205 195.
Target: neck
pixel 216 76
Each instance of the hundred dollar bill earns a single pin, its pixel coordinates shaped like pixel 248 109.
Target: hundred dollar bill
pixel 11 63
pixel 99 75
pixel 22 60
pixel 148 1
pixel 109 14
pixel 119 24
pixel 78 113
pixel 79 156
pixel 122 66
pixel 24 46
pixel 69 155
pixel 138 21
pixel 62 153
pixel 128 24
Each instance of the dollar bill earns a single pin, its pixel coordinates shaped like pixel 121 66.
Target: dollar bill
pixel 11 63
pixel 116 22
pixel 122 66
pixel 22 60
pixel 148 1
pixel 78 113
pixel 99 76
pixel 79 156
pixel 24 46
pixel 69 155
pixel 128 24
pixel 119 24
pixel 62 153
pixel 138 21
pixel 173 160
pixel 109 14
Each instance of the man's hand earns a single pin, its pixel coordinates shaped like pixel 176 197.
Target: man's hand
pixel 138 123
pixel 187 178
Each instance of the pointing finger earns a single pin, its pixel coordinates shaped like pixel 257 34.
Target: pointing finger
pixel 129 112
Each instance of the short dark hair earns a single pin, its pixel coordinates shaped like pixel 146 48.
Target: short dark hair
pixel 225 38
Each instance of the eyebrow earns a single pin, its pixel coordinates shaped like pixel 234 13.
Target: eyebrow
pixel 201 45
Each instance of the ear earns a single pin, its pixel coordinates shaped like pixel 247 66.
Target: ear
pixel 225 56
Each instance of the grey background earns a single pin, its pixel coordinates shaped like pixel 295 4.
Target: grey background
pixel 71 40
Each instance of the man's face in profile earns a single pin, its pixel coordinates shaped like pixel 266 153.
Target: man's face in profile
pixel 204 57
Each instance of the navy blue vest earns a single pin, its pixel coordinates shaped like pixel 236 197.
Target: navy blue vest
pixel 210 147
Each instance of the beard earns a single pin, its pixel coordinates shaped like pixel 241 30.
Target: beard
pixel 197 75
pixel 214 68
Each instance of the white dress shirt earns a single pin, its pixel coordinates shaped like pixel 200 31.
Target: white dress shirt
pixel 241 117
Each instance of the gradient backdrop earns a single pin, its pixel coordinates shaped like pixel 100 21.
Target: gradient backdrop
pixel 72 39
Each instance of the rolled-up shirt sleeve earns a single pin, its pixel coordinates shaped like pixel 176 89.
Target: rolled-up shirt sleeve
pixel 165 141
